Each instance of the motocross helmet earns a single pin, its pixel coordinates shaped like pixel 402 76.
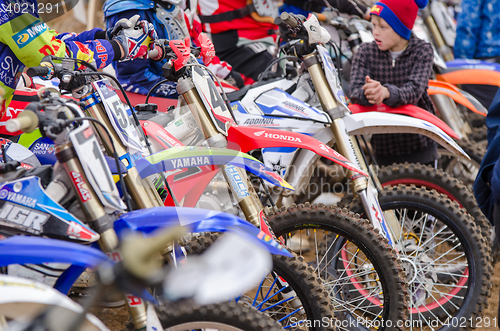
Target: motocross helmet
pixel 168 12
pixel 171 15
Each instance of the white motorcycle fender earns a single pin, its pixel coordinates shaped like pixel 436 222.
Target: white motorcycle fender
pixel 27 299
pixel 300 171
pixel 376 122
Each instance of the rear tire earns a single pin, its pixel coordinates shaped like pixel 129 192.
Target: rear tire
pixel 458 166
pixel 480 136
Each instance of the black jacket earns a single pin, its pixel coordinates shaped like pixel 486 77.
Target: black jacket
pixel 407 79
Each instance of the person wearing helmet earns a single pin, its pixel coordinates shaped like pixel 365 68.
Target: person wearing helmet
pixel 170 22
pixel 25 39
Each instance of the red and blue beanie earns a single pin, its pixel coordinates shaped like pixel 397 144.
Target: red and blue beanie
pixel 399 14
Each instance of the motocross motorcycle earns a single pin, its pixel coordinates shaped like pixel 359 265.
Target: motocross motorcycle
pixel 33 202
pixel 309 292
pixel 149 219
pixel 333 222
pixel 29 304
pixel 268 104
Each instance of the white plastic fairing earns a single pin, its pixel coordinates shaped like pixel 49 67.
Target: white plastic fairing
pixel 375 122
pixel 231 266
pixel 248 100
pixel 479 106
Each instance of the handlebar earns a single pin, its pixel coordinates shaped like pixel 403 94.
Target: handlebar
pixel 27 121
pixel 289 19
pixel 38 71
pixel 140 255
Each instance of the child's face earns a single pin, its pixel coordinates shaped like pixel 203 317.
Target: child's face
pixel 385 37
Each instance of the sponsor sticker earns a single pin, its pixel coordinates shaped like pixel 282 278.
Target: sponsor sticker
pixel 29 33
pixel 23 216
pixel 80 185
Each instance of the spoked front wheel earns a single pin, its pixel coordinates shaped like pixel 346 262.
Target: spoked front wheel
pixel 291 294
pixel 358 268
pixel 436 179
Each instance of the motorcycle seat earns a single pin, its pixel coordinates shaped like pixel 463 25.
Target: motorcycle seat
pixel 239 94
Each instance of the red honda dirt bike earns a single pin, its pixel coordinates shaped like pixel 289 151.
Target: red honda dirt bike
pixel 202 117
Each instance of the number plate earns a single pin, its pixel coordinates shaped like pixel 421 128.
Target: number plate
pixel 122 122
pixel 95 167
pixel 331 77
pixel 212 99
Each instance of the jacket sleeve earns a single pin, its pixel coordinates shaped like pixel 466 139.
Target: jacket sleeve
pixel 139 75
pixel 468 29
pixel 487 182
pixel 360 69
pixel 95 33
pixel 30 39
pixel 418 80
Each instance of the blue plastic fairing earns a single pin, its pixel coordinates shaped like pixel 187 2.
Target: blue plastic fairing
pixel 196 220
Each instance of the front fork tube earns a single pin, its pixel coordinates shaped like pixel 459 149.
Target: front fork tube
pixel 237 178
pixel 364 187
pixel 349 148
pixel 95 214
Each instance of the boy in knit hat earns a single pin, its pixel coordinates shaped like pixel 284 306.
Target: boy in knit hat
pixel 395 70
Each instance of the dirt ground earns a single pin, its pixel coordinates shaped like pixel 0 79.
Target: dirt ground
pixel 114 318
pixel 492 310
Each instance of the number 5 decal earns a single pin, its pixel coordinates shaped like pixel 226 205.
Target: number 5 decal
pixel 120 114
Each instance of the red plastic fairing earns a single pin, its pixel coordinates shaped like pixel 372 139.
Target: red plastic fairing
pixel 187 185
pixel 245 138
pixel 408 110
pixel 437 87
pixel 207 48
pixel 182 51
pixel 158 133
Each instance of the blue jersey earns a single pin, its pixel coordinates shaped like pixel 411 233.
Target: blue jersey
pixel 140 75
